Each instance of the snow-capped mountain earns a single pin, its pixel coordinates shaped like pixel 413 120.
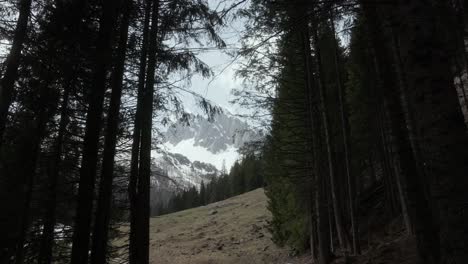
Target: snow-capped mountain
pixel 197 151
pixel 216 135
pixel 181 172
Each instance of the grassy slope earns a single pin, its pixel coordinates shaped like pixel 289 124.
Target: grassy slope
pixel 235 234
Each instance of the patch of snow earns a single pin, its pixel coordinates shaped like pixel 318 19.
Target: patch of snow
pixel 188 148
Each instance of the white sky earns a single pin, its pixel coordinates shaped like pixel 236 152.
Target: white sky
pixel 218 88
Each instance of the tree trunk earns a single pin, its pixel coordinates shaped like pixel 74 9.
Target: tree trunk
pixel 12 62
pixel 30 149
pixel 45 253
pixel 319 237
pixel 386 131
pixel 443 137
pixel 418 203
pixel 89 161
pixel 134 166
pixel 397 144
pixel 356 249
pixel 405 146
pixel 321 207
pixel 329 145
pixel 144 177
pixel 409 121
pixel 313 228
pixel 47 239
pixel 102 215
pixel 322 203
pixel 373 173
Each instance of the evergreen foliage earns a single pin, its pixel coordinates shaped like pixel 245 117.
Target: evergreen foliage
pixel 245 175
pixel 349 136
pixel 376 126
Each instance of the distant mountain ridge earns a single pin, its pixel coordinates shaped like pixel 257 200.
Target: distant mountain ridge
pixel 215 136
pixel 197 152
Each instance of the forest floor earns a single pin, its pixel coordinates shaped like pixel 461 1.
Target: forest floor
pixel 230 231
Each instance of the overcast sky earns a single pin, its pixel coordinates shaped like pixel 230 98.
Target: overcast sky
pixel 218 88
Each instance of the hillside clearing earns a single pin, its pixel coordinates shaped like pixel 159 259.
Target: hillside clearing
pixel 230 231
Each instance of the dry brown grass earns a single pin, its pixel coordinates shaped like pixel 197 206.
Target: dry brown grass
pixel 235 234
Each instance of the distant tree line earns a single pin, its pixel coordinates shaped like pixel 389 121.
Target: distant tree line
pixel 245 175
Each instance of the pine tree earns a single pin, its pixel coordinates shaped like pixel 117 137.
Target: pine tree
pixel 440 124
pixel 89 162
pixel 7 82
pixel 102 216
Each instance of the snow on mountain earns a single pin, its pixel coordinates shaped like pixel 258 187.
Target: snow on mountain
pixel 181 172
pixel 214 142
pixel 196 152
pixel 215 136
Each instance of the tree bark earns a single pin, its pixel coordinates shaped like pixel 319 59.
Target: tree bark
pixel 45 253
pixel 7 83
pixel 337 209
pixel 386 132
pixel 412 175
pixel 29 152
pixel 144 173
pixel 410 124
pixel 443 138
pixel 356 249
pixel 319 237
pixel 134 163
pixel 102 215
pixel 418 200
pixel 103 56
pixel 321 207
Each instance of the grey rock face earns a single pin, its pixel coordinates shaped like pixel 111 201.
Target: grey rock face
pixel 181 173
pixel 173 172
pixel 215 136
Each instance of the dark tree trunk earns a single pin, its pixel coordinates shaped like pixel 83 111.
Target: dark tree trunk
pixel 102 215
pixel 134 163
pixel 144 177
pixel 89 161
pixel 352 199
pixel 319 238
pixel 12 62
pixel 54 168
pixel 45 253
pixel 337 209
pixel 409 121
pixel 325 243
pixel 443 138
pixel 386 131
pixel 311 142
pixel 27 173
pixel 397 143
pixel 29 153
pixel 313 227
pixel 418 204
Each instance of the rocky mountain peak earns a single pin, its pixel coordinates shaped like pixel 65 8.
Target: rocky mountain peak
pixel 196 152
pixel 215 136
